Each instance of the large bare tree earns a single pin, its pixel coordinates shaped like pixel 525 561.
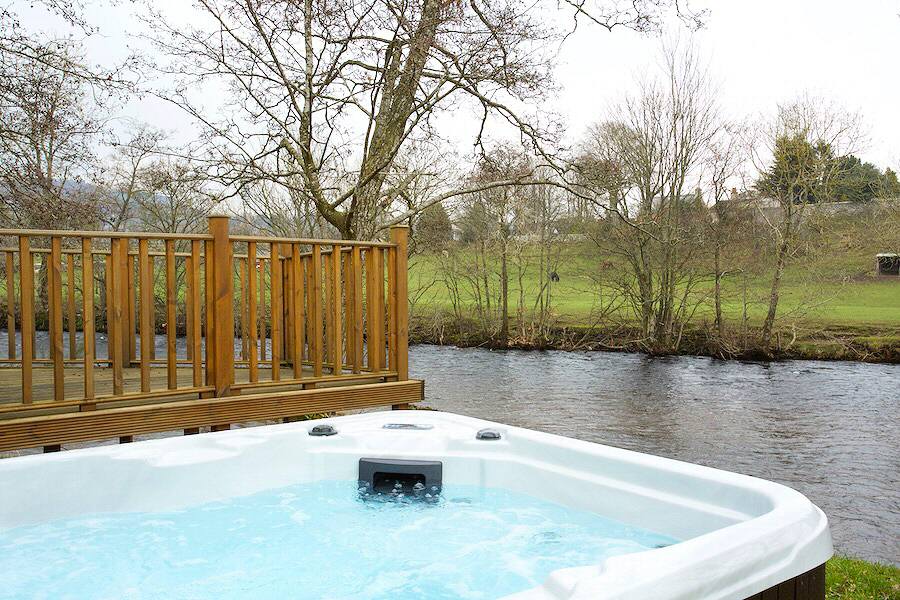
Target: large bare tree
pixel 322 96
pixel 47 134
pixel 797 154
pixel 645 168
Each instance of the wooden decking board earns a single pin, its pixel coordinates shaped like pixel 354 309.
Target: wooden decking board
pixel 28 432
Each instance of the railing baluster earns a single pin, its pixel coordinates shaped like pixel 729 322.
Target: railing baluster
pixel 151 266
pixel 329 314
pixel 391 305
pixel 375 309
pixel 263 333
pixel 171 317
pixel 210 314
pixel 54 301
pixel 10 305
pixel 379 308
pixel 194 299
pixel 222 292
pixel 119 345
pixel 356 309
pixel 251 311
pixel 108 300
pixel 130 302
pixel 314 288
pixel 245 335
pixel 146 305
pixel 349 329
pixel 275 283
pixel 337 334
pixel 371 359
pixel 188 307
pixel 297 317
pixel 87 315
pixel 26 302
pixel 70 290
pixel 287 305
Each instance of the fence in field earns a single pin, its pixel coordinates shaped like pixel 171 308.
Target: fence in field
pixel 258 327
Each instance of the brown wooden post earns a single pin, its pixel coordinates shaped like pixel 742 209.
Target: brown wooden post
pixel 223 308
pixel 400 236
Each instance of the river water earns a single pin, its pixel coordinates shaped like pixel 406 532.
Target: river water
pixel 828 429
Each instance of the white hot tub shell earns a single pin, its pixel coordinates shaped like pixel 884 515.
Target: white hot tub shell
pixel 742 535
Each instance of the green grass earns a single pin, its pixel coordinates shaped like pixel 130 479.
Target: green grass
pixel 835 290
pixel 852 579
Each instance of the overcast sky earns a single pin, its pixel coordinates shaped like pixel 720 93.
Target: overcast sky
pixel 760 52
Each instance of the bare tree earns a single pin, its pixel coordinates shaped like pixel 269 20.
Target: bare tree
pixel 796 155
pixel 124 182
pixel 652 158
pixel 176 198
pixel 325 95
pixel 722 164
pixel 47 133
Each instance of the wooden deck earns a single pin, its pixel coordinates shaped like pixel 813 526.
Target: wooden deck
pixel 73 378
pixel 322 326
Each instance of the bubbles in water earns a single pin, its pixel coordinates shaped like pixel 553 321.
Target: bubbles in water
pixel 483 543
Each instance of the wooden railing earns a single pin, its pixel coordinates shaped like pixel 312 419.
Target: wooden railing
pixel 240 315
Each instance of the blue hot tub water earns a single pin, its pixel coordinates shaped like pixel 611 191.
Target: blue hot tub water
pixel 315 540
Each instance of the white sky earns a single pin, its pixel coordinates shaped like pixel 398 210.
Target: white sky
pixel 760 52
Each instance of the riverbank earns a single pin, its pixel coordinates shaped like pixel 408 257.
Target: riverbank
pixel 852 579
pixel 812 341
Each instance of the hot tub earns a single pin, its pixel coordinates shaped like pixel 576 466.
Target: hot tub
pixel 729 536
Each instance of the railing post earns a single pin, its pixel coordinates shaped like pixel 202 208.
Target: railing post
pixel 222 317
pixel 400 304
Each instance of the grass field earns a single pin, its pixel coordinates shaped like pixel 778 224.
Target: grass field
pixel 833 292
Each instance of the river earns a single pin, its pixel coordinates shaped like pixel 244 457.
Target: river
pixel 828 429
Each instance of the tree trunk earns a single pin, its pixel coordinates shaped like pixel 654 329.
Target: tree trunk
pixel 503 337
pixel 718 291
pixel 769 323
